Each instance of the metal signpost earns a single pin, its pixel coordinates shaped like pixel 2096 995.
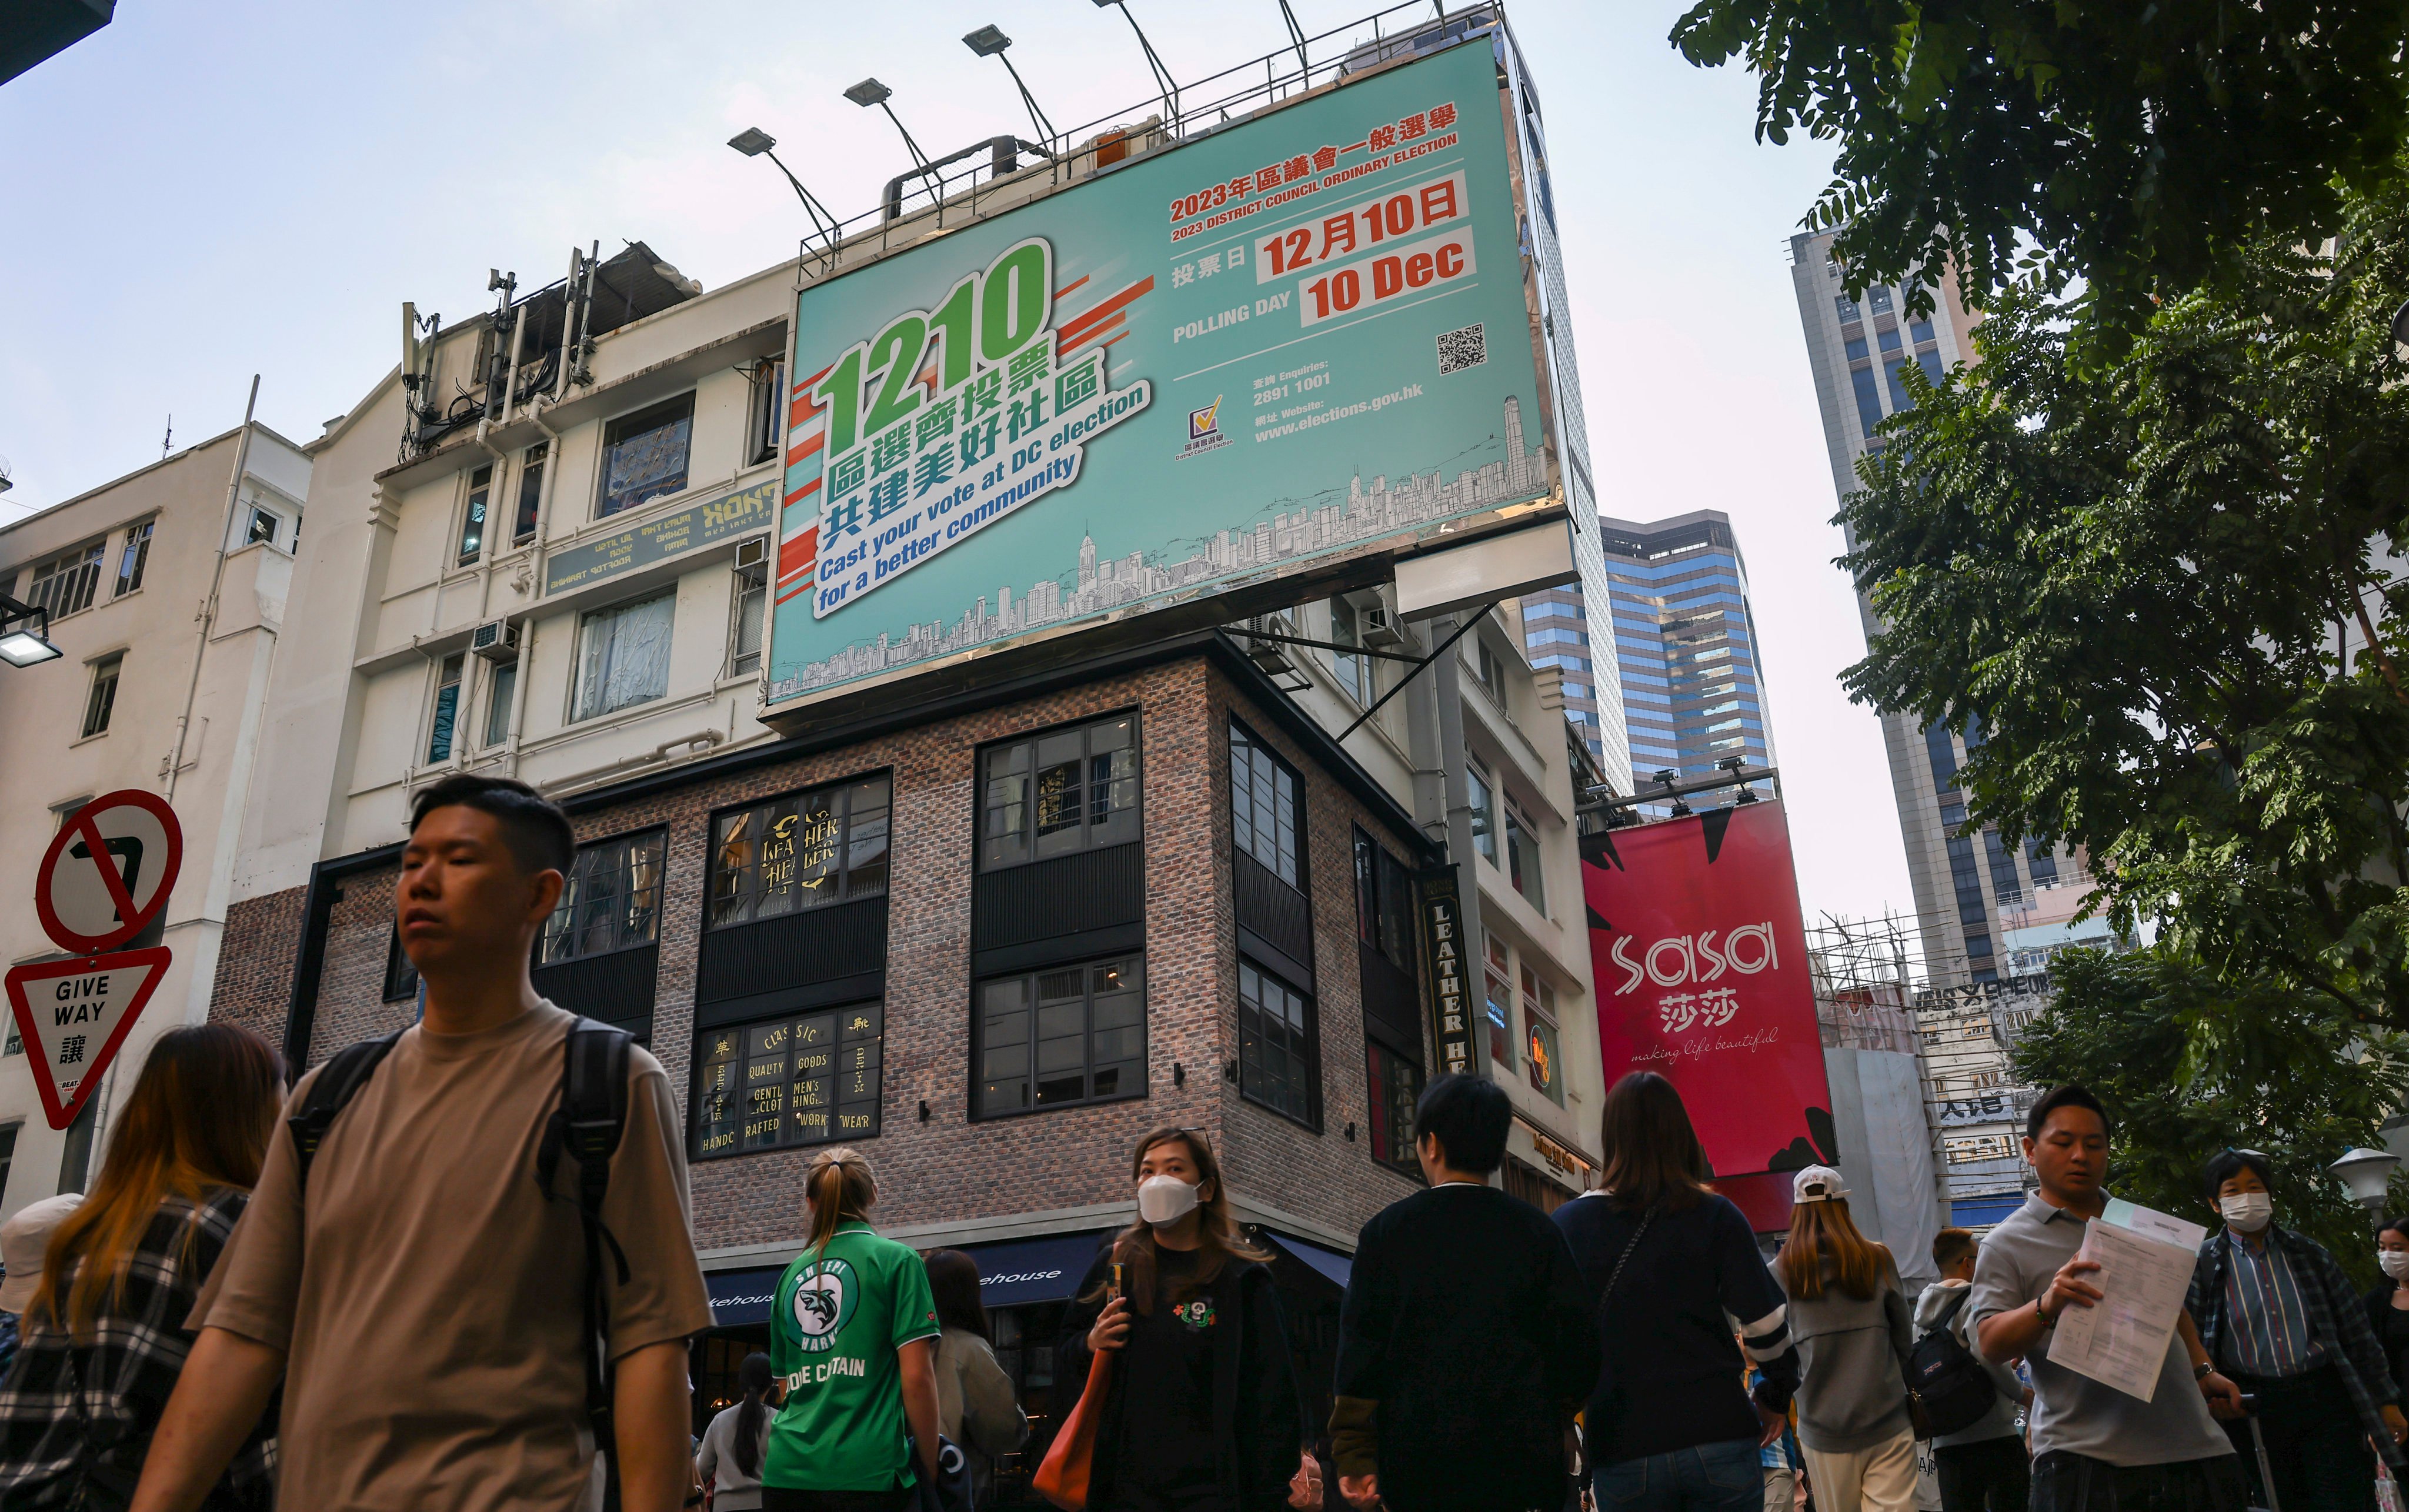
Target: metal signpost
pixel 108 874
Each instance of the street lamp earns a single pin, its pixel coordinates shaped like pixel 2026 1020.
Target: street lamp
pixel 2366 1174
pixel 2401 326
pixel 1161 74
pixel 755 142
pixel 990 42
pixel 871 91
pixel 25 633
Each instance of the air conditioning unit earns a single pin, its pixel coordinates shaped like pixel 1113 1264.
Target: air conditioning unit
pixel 1377 626
pixel 495 640
pixel 753 552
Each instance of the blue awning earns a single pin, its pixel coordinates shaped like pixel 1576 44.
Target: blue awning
pixel 1981 1211
pixel 1044 1268
pixel 740 1297
pixel 1329 1262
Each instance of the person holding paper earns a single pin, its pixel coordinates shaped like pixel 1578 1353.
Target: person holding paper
pixel 2095 1447
pixel 2277 1314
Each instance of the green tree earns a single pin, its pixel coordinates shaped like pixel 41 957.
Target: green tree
pixel 2137 146
pixel 2188 1065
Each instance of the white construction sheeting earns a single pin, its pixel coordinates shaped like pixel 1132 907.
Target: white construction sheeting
pixel 1887 1155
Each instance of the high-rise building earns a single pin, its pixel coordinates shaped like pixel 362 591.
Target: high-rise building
pixel 1975 898
pixel 1685 647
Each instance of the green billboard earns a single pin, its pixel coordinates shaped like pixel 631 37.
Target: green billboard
pixel 1300 336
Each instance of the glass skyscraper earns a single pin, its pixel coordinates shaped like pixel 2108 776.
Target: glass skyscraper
pixel 1685 645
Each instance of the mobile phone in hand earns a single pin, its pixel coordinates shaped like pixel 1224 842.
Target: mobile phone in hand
pixel 1117 1280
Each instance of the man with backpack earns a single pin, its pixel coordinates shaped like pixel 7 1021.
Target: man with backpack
pixel 469 1258
pixel 1981 1467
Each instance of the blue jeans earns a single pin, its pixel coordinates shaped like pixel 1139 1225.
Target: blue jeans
pixel 1706 1477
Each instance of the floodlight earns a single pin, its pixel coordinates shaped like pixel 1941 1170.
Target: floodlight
pixel 25 633
pixel 752 141
pixel 868 92
pixel 755 142
pixel 987 41
pixel 990 42
pixel 871 91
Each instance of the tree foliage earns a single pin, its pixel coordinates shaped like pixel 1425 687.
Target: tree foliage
pixel 2137 146
pixel 2188 1065
pixel 2136 573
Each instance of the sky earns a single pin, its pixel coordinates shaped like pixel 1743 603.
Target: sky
pixel 196 194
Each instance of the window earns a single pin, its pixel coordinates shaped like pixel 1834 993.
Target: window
pixel 1930 363
pixel 792 1081
pixel 530 492
pixel 2041 861
pixel 752 589
pixel 472 519
pixel 66 582
pixel 1869 412
pixel 1523 857
pixel 623 655
pixel 1846 307
pixel 1878 300
pixel 1921 330
pixel 1943 754
pixel 102 700
pixel 1500 982
pixel 1490 672
pixel 1354 669
pixel 768 409
pixel 1384 903
pixel 133 557
pixel 1070 790
pixel 1275 1059
pixel 644 455
pixel 802 851
pixel 1395 1085
pixel 447 710
pixel 1856 346
pixel 1070 1034
pixel 1539 1052
pixel 611 901
pixel 1483 801
pixel 501 693
pixel 1888 339
pixel 262 529
pixel 1265 818
pixel 400 973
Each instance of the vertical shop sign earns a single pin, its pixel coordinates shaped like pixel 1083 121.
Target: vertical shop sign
pixel 1443 944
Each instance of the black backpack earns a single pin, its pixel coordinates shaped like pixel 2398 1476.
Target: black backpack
pixel 1945 1380
pixel 592 1116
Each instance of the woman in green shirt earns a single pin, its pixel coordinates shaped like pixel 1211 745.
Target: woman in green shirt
pixel 853 1336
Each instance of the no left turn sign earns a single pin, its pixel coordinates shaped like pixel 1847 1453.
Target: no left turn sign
pixel 109 871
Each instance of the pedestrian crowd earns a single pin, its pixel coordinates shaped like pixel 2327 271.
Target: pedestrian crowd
pixel 455 1270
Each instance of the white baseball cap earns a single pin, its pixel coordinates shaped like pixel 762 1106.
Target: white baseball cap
pixel 23 1241
pixel 1816 1183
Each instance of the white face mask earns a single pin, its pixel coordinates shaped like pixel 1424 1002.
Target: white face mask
pixel 2248 1212
pixel 1162 1200
pixel 2395 1264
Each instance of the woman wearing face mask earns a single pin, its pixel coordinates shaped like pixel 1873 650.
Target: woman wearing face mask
pixel 2277 1314
pixel 1201 1414
pixel 2387 1306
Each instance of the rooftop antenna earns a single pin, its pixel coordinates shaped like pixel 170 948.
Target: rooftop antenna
pixel 871 91
pixel 990 42
pixel 169 439
pixel 1153 61
pixel 755 142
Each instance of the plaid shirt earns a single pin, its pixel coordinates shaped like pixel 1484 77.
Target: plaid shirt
pixel 76 1419
pixel 2337 1321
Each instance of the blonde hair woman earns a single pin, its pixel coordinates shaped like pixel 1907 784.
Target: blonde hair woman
pixel 1850 1321
pixel 853 1335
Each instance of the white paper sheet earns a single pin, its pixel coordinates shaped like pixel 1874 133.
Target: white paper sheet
pixel 2145 1268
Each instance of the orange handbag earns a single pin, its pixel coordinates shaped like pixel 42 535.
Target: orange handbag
pixel 1062 1478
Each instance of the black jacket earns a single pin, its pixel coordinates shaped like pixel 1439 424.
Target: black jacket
pixel 2379 1317
pixel 1256 1419
pixel 1467 1327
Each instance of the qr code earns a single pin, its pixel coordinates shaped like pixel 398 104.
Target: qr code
pixel 1459 349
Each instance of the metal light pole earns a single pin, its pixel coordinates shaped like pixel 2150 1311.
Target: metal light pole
pixel 990 42
pixel 871 91
pixel 755 142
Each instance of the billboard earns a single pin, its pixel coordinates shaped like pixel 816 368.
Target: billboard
pixel 1299 338
pixel 1702 976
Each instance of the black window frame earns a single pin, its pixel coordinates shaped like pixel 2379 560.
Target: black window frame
pixel 1384 903
pixel 621 429
pixel 400 971
pixel 1033 1004
pixel 1093 831
pixel 443 719
pixel 842 794
pixel 1391 1107
pixel 100 695
pixel 1258 1042
pixel 622 940
pixel 851 1070
pixel 1244 827
pixel 532 461
pixel 765 415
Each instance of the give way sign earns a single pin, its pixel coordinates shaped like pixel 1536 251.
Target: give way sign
pixel 108 874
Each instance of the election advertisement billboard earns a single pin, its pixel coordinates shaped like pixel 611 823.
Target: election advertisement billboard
pixel 1298 340
pixel 1700 956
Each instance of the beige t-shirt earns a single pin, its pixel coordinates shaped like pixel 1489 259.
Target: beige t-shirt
pixel 429 1296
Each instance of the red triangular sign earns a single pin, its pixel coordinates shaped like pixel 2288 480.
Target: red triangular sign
pixel 73 1014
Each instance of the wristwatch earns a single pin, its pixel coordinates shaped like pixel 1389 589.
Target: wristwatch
pixel 2203 1370
pixel 2040 1309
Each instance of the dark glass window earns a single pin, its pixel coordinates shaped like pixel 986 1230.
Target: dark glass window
pixel 644 455
pixel 802 851
pixel 1856 348
pixel 1384 903
pixel 768 410
pixel 1846 307
pixel 1354 669
pixel 1878 300
pixel 65 583
pixel 1899 402
pixel 135 556
pixel 611 899
pixel 501 691
pixel 1500 1005
pixel 1930 363
pixel 472 520
pixel 799 1080
pixel 447 710
pixel 1921 330
pixel 102 700
pixel 1275 1052
pixel 1943 752
pixel 2041 861
pixel 400 974
pixel 1887 340
pixel 530 491
pixel 1395 1085
pixel 1265 817
pixel 1067 790
pixel 2005 885
pixel 1064 1035
pixel 1869 412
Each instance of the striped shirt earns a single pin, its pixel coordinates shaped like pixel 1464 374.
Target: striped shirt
pixel 2269 1318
